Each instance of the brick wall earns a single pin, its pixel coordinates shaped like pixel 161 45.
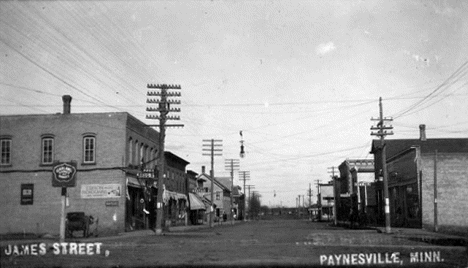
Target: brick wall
pixel 68 130
pixel 452 205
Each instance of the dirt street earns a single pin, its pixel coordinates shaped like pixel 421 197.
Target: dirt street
pixel 254 243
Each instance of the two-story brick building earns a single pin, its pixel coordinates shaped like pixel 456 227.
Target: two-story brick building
pixel 110 149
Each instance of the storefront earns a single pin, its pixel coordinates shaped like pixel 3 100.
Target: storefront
pixel 140 206
pixel 197 209
pixel 175 208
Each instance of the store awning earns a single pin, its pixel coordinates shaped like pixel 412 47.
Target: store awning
pixel 195 202
pixel 139 183
pixel 167 195
pixel 133 182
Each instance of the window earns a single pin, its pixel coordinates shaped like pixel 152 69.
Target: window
pixel 47 150
pixel 89 149
pixel 151 159
pixel 218 196
pixel 136 160
pixel 141 155
pixel 130 151
pixel 6 151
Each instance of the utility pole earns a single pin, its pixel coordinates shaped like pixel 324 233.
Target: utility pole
pixel 245 177
pixel 231 165
pixel 299 205
pixel 163 109
pixel 319 201
pixel 335 203
pixel 255 200
pixel 436 223
pixel 209 145
pixel 382 132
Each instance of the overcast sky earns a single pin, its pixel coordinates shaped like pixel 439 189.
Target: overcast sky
pixel 301 79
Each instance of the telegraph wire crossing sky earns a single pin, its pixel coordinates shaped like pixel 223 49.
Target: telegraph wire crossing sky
pixel 301 80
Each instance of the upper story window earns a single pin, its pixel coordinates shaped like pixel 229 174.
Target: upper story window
pixel 5 144
pixel 89 149
pixel 130 151
pixel 47 154
pixel 136 160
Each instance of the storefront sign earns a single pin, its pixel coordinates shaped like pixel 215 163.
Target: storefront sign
pixel 112 203
pixel 64 175
pixel 27 194
pixel 146 174
pixel 100 191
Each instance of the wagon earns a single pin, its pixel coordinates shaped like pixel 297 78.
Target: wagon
pixel 78 221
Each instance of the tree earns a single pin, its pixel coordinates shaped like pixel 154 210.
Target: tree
pixel 254 205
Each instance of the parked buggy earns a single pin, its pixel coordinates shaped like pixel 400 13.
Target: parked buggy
pixel 78 221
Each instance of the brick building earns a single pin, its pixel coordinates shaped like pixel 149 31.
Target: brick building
pixel 412 167
pixel 110 150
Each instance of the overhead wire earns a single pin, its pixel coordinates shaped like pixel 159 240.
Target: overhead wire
pixel 92 56
pixel 445 85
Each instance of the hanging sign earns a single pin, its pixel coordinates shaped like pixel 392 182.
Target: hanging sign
pixel 64 175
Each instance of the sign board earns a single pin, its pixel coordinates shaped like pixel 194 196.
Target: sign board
pixel 146 174
pixel 100 191
pixel 27 194
pixel 64 175
pixel 112 203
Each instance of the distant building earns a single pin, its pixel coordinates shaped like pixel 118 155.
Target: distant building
pixel 352 194
pixel 221 194
pixel 325 201
pixel 412 167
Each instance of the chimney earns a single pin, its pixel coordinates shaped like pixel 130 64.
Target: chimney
pixel 203 169
pixel 66 103
pixel 422 132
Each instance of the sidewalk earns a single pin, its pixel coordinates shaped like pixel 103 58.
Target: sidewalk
pixel 416 234
pixel 172 230
pixel 427 236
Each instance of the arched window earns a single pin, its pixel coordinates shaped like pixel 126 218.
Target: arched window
pixel 147 157
pixel 151 158
pixel 130 151
pixel 136 162
pixel 142 155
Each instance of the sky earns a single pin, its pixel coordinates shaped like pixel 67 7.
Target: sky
pixel 300 79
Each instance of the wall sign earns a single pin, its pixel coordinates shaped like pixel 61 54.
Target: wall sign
pixel 27 194
pixel 112 203
pixel 64 175
pixel 100 191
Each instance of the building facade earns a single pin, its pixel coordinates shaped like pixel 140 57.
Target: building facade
pixel 420 169
pixel 110 150
pixel 221 195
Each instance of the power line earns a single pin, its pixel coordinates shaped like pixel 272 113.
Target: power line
pixel 445 85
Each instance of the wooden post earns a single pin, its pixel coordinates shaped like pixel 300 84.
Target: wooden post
pixel 62 215
pixel 436 224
